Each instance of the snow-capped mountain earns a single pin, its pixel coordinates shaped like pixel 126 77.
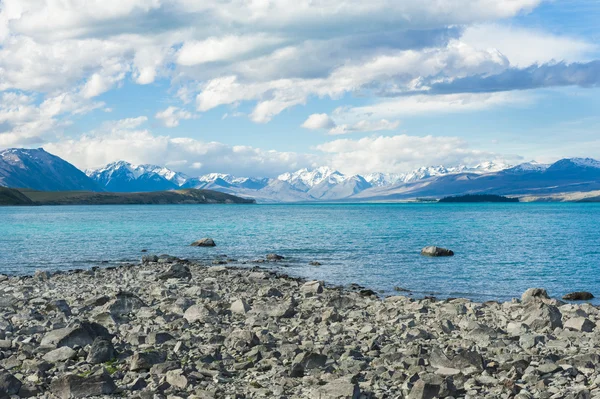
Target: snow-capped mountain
pixel 123 176
pixel 36 169
pixel 383 179
pixel 305 179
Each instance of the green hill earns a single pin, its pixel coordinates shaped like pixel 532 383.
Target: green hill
pixel 9 196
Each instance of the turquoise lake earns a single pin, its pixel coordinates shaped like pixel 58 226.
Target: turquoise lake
pixel 501 249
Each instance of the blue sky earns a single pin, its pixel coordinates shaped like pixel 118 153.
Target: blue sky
pixel 258 88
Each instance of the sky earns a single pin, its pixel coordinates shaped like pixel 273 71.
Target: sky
pixel 263 87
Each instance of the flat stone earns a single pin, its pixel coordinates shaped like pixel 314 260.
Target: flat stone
pixel 240 307
pixel 342 388
pixel 579 324
pixel 60 355
pixel 77 386
pixel 81 335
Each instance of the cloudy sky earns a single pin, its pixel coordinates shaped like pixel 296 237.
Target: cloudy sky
pixel 260 87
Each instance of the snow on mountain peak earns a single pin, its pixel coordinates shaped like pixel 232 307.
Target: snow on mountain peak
pixel 586 162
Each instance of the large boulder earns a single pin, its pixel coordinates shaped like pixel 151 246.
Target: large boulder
pixel 580 324
pixel 465 361
pixel 80 334
pixel 101 351
pixel 9 384
pixel 123 305
pixel 201 313
pixel 78 386
pixel 533 294
pixel 61 354
pixel 539 316
pixel 204 242
pixel 436 251
pixel 578 296
pixel 145 360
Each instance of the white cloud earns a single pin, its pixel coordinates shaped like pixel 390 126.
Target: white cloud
pixel 221 48
pixel 430 104
pixel 171 116
pixel 365 126
pixel 526 46
pixel 318 121
pixel 401 153
pixel 128 140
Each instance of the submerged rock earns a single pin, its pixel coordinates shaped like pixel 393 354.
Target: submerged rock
pixel 275 257
pixel 204 242
pixel 436 251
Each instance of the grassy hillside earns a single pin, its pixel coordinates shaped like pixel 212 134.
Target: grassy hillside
pixel 190 196
pixel 10 196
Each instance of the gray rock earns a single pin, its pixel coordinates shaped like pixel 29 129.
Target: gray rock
pixel 60 355
pixel 159 337
pixel 177 379
pixel 145 360
pixel 77 386
pixel 149 259
pixel 312 287
pixel 9 384
pixel 199 313
pixel 240 307
pixel 436 251
pixel 123 304
pixel 204 242
pixel 534 294
pixel 424 390
pixel 274 257
pixel 341 388
pixel 176 271
pixel 101 351
pixel 580 324
pixel 241 340
pixel 578 296
pixel 464 361
pixel 541 316
pixel 81 334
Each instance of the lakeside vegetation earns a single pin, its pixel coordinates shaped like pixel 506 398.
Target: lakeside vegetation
pixel 478 198
pixel 27 197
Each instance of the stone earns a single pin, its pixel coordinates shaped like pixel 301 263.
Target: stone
pixel 9 384
pixel 275 257
pixel 149 259
pixel 540 316
pixel 60 355
pixel 145 360
pixel 241 340
pixel 177 379
pixel 341 388
pixel 159 337
pixel 78 386
pixel 204 242
pixel 464 361
pixel 534 294
pixel 101 351
pixel 81 334
pixel 578 296
pixel 579 324
pixel 123 305
pixel 41 276
pixel 436 251
pixel 240 307
pixel 315 263
pixel 198 313
pixel 177 270
pixel 312 287
pixel 424 390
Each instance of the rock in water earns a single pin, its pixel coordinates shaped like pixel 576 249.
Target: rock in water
pixel 205 242
pixel 77 386
pixel 578 296
pixel 436 251
pixel 275 257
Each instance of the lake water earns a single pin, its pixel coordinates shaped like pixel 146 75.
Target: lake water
pixel 501 249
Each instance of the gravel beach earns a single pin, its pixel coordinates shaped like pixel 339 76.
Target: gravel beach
pixel 170 328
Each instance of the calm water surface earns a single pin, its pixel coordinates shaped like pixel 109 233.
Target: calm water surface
pixel 501 249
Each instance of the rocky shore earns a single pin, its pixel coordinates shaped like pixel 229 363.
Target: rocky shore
pixel 169 328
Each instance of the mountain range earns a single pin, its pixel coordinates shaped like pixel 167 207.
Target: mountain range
pixel 39 170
